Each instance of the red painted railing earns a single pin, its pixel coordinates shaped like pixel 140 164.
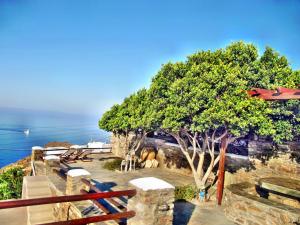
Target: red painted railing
pixel 94 219
pixel 72 198
pixel 67 198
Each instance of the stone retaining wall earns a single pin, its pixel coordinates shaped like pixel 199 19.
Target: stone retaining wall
pixel 261 146
pixel 245 208
pixel 280 165
pixel 119 144
pixel 170 157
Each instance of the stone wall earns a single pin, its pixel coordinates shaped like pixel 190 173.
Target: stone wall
pixel 256 147
pixel 284 164
pixel 281 165
pixel 119 144
pixel 239 169
pixel 169 156
pixel 245 208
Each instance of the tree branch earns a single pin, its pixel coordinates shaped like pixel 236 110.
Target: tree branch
pixel 223 135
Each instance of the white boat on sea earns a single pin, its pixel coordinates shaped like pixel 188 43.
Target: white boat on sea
pixel 26 132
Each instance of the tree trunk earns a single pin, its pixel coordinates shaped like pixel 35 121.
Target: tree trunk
pixel 221 169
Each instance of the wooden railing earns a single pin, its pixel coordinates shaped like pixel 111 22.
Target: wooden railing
pixel 94 219
pixel 73 198
pixel 107 197
pixel 112 209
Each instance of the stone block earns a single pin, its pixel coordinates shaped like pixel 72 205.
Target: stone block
pixel 37 153
pixel 51 162
pixel 153 203
pixel 74 182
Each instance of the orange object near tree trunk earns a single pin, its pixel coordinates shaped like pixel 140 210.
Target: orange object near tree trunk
pixel 221 173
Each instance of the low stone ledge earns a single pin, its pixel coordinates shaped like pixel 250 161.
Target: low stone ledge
pixel 37 153
pixel 247 209
pixel 51 162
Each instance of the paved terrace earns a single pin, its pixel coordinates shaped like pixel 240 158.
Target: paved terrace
pixel 184 212
pixel 106 179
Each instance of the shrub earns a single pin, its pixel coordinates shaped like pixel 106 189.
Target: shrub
pixel 113 164
pixel 11 183
pixel 187 192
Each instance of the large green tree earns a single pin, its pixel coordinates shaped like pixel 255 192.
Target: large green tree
pixel 208 101
pixel 134 115
pixel 204 98
pixel 272 71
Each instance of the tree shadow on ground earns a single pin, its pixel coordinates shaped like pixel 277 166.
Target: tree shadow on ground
pixel 104 186
pixel 182 212
pixel 107 186
pixel 108 158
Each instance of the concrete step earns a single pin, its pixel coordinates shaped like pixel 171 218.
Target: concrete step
pixel 38 187
pixel 39 168
pixel 38 215
pixel 42 218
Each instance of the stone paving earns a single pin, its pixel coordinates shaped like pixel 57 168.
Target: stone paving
pixel 185 213
pixel 13 216
pixel 106 179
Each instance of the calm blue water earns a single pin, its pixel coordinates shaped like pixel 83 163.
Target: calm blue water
pixel 44 127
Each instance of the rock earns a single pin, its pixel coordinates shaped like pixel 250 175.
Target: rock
pixel 151 163
pixel 283 148
pixel 148 153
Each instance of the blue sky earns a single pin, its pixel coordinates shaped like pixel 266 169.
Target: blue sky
pixel 83 56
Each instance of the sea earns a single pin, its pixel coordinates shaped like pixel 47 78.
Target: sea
pixel 43 127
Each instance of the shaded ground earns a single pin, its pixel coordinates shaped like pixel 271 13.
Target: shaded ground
pixel 186 213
